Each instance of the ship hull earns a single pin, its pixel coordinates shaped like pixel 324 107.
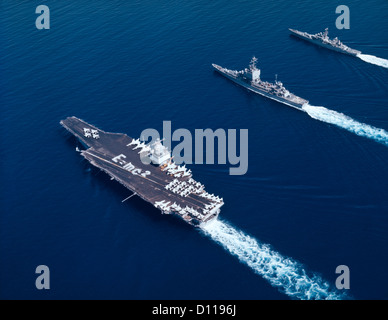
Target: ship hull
pixel 261 92
pixel 324 45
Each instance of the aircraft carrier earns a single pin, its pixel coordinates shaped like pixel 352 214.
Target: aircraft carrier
pixel 322 39
pixel 148 171
pixel 250 79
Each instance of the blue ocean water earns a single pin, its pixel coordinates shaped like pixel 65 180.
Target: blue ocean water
pixel 314 192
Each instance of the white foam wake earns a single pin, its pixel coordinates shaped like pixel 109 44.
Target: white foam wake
pixel 343 121
pixel 284 273
pixel 374 60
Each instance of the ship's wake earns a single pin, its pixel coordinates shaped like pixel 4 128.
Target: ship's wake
pixel 374 60
pixel 345 122
pixel 283 273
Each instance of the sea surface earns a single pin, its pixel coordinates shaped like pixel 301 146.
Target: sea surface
pixel 316 192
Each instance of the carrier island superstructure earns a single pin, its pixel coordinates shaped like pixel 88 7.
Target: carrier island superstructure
pixel 148 170
pixel 249 78
pixel 322 39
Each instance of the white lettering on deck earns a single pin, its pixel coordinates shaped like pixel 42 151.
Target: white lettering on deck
pixel 129 166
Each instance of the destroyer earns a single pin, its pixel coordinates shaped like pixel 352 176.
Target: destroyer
pixel 322 39
pixel 250 79
pixel 167 186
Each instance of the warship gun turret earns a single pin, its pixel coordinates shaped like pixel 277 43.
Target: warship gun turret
pixel 148 170
pixel 249 78
pixel 322 39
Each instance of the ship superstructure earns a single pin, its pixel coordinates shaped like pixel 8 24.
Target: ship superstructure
pixel 322 39
pixel 250 78
pixel 148 170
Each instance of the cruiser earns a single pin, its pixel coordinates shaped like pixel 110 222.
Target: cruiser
pixel 250 79
pixel 322 39
pixel 148 171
